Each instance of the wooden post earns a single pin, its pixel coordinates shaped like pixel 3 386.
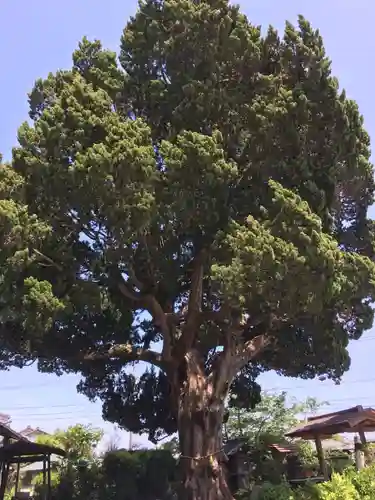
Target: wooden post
pixel 322 461
pixel 4 479
pixel 17 478
pixel 49 493
pixel 45 494
pixel 365 450
pixel 359 455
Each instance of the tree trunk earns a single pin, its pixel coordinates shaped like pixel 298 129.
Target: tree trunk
pixel 200 421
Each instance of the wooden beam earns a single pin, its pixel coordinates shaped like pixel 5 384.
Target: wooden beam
pixel 322 461
pixel 22 460
pixel 362 436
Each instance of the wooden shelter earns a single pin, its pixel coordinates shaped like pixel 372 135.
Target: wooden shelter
pixel 26 452
pixel 354 420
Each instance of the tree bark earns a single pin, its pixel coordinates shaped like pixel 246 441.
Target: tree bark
pixel 200 421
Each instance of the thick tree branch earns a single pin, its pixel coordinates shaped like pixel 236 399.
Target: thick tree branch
pixel 234 357
pixel 250 350
pixel 159 317
pixel 160 320
pixel 193 315
pixel 126 352
pixel 128 293
pixel 196 289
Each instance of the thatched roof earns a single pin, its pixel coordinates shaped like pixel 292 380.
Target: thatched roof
pixel 352 420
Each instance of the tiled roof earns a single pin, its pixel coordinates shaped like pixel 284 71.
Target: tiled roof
pixel 285 447
pixel 29 430
pixel 351 420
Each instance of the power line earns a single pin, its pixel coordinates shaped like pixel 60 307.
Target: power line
pixel 332 402
pixel 48 419
pixel 53 382
pixel 81 408
pixel 14 408
pixel 324 384
pixel 53 414
pixel 26 386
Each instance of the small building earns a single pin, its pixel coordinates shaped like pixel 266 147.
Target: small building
pixel 357 420
pixel 32 434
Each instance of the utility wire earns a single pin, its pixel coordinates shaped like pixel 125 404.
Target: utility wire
pixel 332 403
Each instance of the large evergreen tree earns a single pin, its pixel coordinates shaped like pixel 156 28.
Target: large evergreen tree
pixel 200 206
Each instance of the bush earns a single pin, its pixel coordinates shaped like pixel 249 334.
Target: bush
pixel 364 482
pixel 276 492
pixel 351 485
pixel 123 475
pixel 269 491
pixel 340 487
pixel 138 475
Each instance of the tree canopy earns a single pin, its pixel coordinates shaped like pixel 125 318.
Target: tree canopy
pixel 203 196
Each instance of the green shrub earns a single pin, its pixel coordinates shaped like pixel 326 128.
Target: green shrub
pixel 121 475
pixel 351 485
pixel 276 492
pixel 363 481
pixel 269 491
pixel 340 487
pixel 308 492
pixel 141 474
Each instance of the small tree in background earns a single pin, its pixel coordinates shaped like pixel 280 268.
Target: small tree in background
pixel 199 206
pixel 273 417
pixel 266 425
pixel 79 442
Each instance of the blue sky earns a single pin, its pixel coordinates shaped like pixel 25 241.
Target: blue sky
pixel 40 36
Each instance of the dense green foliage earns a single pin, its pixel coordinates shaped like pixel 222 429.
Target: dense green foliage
pixel 351 485
pixel 120 474
pixel 137 475
pixel 209 190
pixel 79 442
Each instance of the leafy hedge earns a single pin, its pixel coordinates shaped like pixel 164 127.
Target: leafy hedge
pixel 121 475
pixel 150 474
pixel 351 485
